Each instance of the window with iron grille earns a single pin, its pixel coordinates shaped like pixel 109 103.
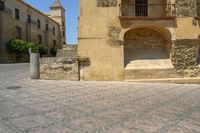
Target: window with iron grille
pixel 29 19
pixel 2 5
pixel 39 39
pixel 17 14
pixel 54 31
pixel 47 27
pixel 18 33
pixel 63 33
pixel 54 43
pixel 141 8
pixel 38 23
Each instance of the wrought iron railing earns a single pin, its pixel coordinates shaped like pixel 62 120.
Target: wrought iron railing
pixel 150 10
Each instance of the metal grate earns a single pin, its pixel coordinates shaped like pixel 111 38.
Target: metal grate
pixel 151 10
pixel 13 87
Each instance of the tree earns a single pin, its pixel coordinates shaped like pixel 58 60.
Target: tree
pixel 18 47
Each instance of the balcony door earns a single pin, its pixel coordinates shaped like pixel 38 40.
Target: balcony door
pixel 141 8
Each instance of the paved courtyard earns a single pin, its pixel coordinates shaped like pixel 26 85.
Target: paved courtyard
pixel 94 107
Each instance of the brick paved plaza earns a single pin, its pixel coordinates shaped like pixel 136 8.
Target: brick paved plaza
pixel 94 107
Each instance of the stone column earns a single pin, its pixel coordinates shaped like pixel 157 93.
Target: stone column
pixel 83 64
pixel 34 66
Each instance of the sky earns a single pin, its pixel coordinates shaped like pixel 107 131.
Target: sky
pixel 71 11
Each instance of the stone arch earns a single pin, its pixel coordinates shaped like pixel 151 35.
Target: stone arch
pixel 146 43
pixel 167 33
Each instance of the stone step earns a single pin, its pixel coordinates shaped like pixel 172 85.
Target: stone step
pixel 195 80
pixel 132 74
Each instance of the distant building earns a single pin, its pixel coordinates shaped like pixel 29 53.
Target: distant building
pixel 20 20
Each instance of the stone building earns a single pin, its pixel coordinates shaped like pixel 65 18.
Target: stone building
pixel 20 20
pixel 139 39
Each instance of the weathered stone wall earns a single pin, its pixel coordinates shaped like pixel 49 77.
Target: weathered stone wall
pixel 59 69
pixel 71 51
pixel 106 3
pixel 184 53
pixel 198 7
pixel 63 67
pixel 186 7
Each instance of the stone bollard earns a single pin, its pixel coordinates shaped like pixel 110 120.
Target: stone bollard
pixel 34 66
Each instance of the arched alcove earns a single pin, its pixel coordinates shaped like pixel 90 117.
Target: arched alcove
pixel 146 45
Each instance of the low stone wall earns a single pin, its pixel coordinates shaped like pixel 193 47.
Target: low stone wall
pixel 184 53
pixel 184 56
pixel 63 67
pixel 59 68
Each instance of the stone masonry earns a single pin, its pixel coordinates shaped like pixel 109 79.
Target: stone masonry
pixel 63 67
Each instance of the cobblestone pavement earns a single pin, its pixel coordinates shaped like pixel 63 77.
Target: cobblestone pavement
pixel 94 107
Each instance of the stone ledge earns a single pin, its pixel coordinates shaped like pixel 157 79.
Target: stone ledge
pixel 195 80
pixel 147 18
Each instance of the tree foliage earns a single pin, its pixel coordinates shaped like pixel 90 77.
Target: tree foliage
pixel 19 46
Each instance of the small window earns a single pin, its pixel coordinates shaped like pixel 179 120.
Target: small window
pixel 63 33
pixel 63 23
pixel 39 39
pixel 38 23
pixel 54 31
pixel 47 27
pixel 18 33
pixel 17 14
pixel 29 19
pixel 2 5
pixel 54 43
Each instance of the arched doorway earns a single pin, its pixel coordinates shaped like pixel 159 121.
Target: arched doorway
pixel 146 49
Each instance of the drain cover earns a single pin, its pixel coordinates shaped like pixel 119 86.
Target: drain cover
pixel 13 87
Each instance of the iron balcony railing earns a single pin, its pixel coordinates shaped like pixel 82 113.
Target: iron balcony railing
pixel 147 10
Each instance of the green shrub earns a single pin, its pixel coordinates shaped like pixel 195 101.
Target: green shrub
pixel 33 46
pixel 42 50
pixel 17 47
pixel 53 51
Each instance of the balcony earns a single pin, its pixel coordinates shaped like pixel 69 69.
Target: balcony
pixel 147 12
